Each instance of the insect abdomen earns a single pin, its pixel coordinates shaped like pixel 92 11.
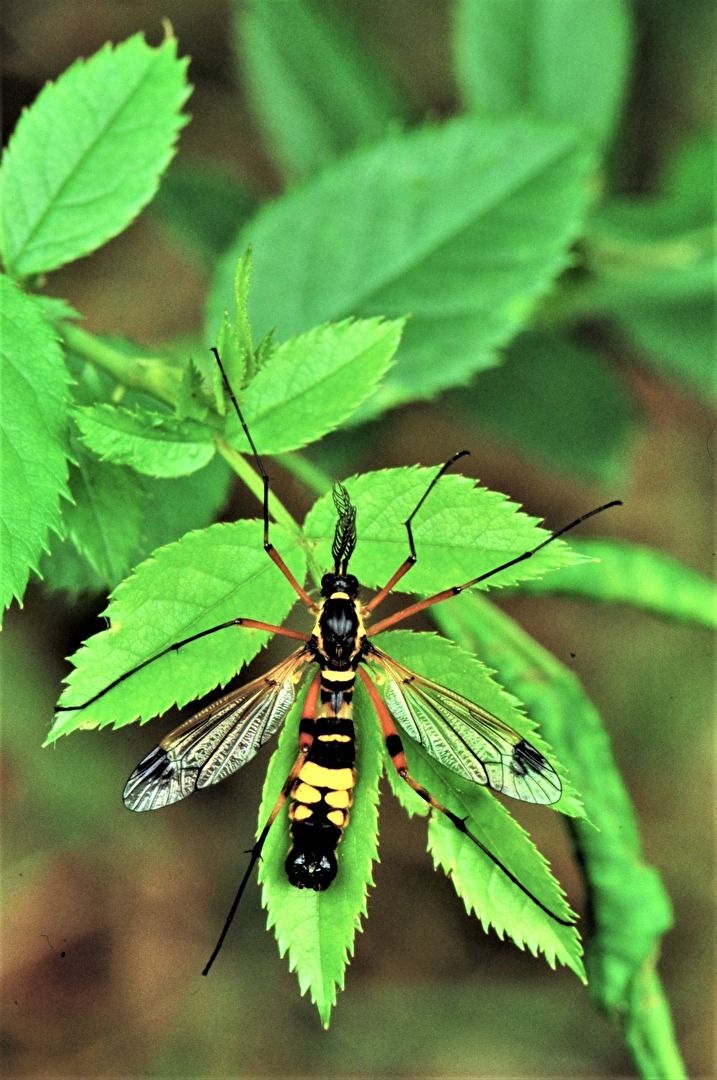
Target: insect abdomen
pixel 320 802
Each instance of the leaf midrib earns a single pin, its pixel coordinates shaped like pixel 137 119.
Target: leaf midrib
pixel 420 254
pixel 79 161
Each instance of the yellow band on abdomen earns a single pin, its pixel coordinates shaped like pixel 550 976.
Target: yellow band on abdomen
pixel 319 776
pixel 304 793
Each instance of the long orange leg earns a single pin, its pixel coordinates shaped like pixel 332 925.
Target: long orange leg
pixel 394 745
pixel 446 594
pixel 412 557
pixel 308 718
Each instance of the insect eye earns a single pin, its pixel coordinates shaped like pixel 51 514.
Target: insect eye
pixel 327 584
pixel 351 584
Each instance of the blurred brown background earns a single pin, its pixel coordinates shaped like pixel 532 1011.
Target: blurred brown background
pixel 108 918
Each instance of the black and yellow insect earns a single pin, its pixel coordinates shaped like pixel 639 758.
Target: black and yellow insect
pixel 222 737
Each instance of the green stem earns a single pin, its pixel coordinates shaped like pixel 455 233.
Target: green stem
pixel 649 1031
pixel 160 380
pixel 154 377
pixel 253 481
pixel 314 478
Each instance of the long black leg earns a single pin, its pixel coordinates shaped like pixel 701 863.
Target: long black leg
pixel 268 546
pixel 421 605
pixel 308 720
pixel 250 624
pixel 412 557
pixel 398 759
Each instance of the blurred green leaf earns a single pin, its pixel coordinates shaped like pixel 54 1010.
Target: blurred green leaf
pixel 87 155
pixel 202 206
pixel 318 929
pixel 629 907
pixel 152 443
pixel 311 383
pixel 677 337
pixel 464 225
pixel 204 579
pixel 313 85
pixel 559 403
pixel 175 507
pixel 655 266
pixel 65 569
pixel 554 59
pixel 33 430
pixel 635 575
pixel 462 531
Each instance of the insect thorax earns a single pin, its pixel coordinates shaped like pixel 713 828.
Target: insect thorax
pixel 339 635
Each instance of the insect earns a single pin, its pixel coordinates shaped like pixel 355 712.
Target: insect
pixel 222 737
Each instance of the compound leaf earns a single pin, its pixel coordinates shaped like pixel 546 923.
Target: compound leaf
pixel 628 903
pixel 483 887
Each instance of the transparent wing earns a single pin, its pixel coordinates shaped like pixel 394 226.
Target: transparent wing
pixel 217 741
pixel 464 737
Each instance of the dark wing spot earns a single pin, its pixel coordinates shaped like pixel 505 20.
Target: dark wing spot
pixel 156 766
pixel 526 758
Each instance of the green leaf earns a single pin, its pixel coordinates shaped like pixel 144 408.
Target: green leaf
pixel 202 206
pixel 555 59
pixel 635 575
pixel 177 506
pixel 242 326
pixel 313 382
pixel 156 444
pixel 461 532
pixel 204 579
pixel 86 157
pixel 234 340
pixel 33 430
pixel 55 309
pixel 482 886
pixel 312 84
pixel 194 402
pixel 65 569
pixel 629 907
pixel 654 260
pixel 318 929
pixel 232 359
pixel 104 520
pixel 464 225
pixel 674 336
pixel 559 403
pixel 169 508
